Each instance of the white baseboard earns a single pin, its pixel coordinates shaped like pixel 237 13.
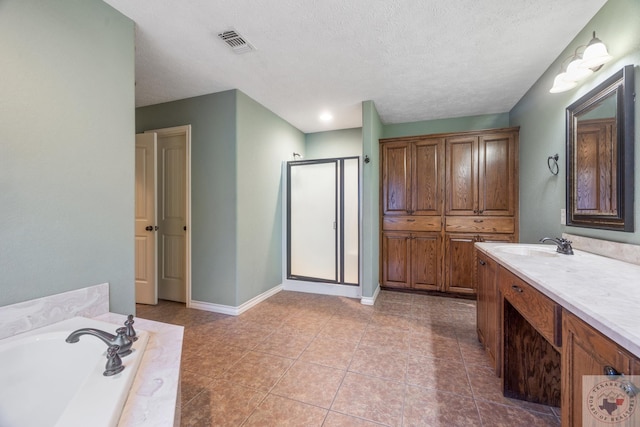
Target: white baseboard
pixel 371 300
pixel 231 310
pixel 322 288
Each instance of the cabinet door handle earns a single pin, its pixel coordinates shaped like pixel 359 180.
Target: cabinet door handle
pixel 411 220
pixel 481 262
pixel 517 288
pixel 626 385
pixel 478 220
pixel 610 371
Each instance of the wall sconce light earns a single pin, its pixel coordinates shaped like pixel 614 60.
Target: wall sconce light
pixel 581 65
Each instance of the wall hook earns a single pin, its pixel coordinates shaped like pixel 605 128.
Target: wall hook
pixel 552 164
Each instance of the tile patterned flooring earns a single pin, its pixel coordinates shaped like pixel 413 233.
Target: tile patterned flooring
pixel 301 359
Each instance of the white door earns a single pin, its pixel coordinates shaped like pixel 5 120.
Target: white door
pixel 172 216
pixel 145 243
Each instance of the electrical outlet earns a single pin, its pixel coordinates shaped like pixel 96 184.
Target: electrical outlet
pixel 563 217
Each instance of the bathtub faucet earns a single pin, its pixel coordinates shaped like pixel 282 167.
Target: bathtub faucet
pixel 121 339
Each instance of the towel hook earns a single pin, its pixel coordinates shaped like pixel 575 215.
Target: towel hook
pixel 552 164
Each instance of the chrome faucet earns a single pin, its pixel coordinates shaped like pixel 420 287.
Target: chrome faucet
pixel 563 245
pixel 121 340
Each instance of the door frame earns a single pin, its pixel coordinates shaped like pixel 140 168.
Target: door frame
pixel 186 131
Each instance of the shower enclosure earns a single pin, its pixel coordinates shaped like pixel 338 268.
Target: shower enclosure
pixel 323 212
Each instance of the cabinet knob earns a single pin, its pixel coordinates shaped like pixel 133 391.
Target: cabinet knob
pixel 517 288
pixel 481 262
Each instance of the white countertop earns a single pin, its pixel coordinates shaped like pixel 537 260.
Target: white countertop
pixel 603 292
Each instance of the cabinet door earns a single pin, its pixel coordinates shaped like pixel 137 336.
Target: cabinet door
pixel 395 259
pixel 488 313
pixel 585 352
pixel 426 255
pixel 427 178
pixel 461 176
pixel 459 257
pixel 497 174
pixel 459 263
pixel 396 178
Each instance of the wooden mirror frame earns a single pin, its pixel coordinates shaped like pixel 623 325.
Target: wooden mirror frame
pixel 621 84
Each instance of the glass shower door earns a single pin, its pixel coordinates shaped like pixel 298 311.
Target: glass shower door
pixel 323 226
pixel 312 221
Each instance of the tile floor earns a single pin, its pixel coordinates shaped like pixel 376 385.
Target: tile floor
pixel 311 360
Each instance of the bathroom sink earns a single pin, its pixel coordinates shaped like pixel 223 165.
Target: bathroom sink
pixel 532 250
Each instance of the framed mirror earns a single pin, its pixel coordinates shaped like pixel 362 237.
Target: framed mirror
pixel 600 158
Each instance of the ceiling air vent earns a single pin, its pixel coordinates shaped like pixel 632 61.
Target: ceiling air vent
pixel 235 41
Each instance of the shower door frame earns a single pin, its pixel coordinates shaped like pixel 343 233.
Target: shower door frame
pixel 339 268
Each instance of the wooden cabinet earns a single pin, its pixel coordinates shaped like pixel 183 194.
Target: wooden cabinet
pixel 412 176
pixel 459 265
pixel 544 351
pixel 586 352
pixel 462 186
pixel 411 260
pixel 531 341
pixel 488 314
pixel 481 174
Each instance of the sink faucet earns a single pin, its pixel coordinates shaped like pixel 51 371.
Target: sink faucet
pixel 121 339
pixel 563 245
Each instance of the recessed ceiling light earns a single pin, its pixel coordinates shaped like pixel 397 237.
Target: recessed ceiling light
pixel 326 117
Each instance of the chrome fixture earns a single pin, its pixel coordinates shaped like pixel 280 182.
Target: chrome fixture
pixel 131 333
pixel 121 340
pixel 626 385
pixel 114 363
pixel 581 65
pixel 563 245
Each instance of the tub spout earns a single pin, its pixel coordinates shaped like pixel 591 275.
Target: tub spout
pixel 121 340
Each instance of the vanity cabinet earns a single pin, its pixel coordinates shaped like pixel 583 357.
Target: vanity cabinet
pixel 488 314
pixel 462 186
pixel 531 338
pixel 587 352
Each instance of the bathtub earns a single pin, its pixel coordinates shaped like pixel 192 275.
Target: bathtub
pixel 45 381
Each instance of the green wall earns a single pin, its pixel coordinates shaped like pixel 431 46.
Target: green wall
pixel 338 143
pixel 264 142
pixel 456 124
pixel 541 117
pixel 237 149
pixel 213 187
pixel 66 150
pixel 372 129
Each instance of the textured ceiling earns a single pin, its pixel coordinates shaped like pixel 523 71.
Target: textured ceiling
pixel 416 59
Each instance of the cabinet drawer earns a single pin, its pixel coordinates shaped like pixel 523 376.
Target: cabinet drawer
pixel 480 224
pixel 411 223
pixel 541 312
